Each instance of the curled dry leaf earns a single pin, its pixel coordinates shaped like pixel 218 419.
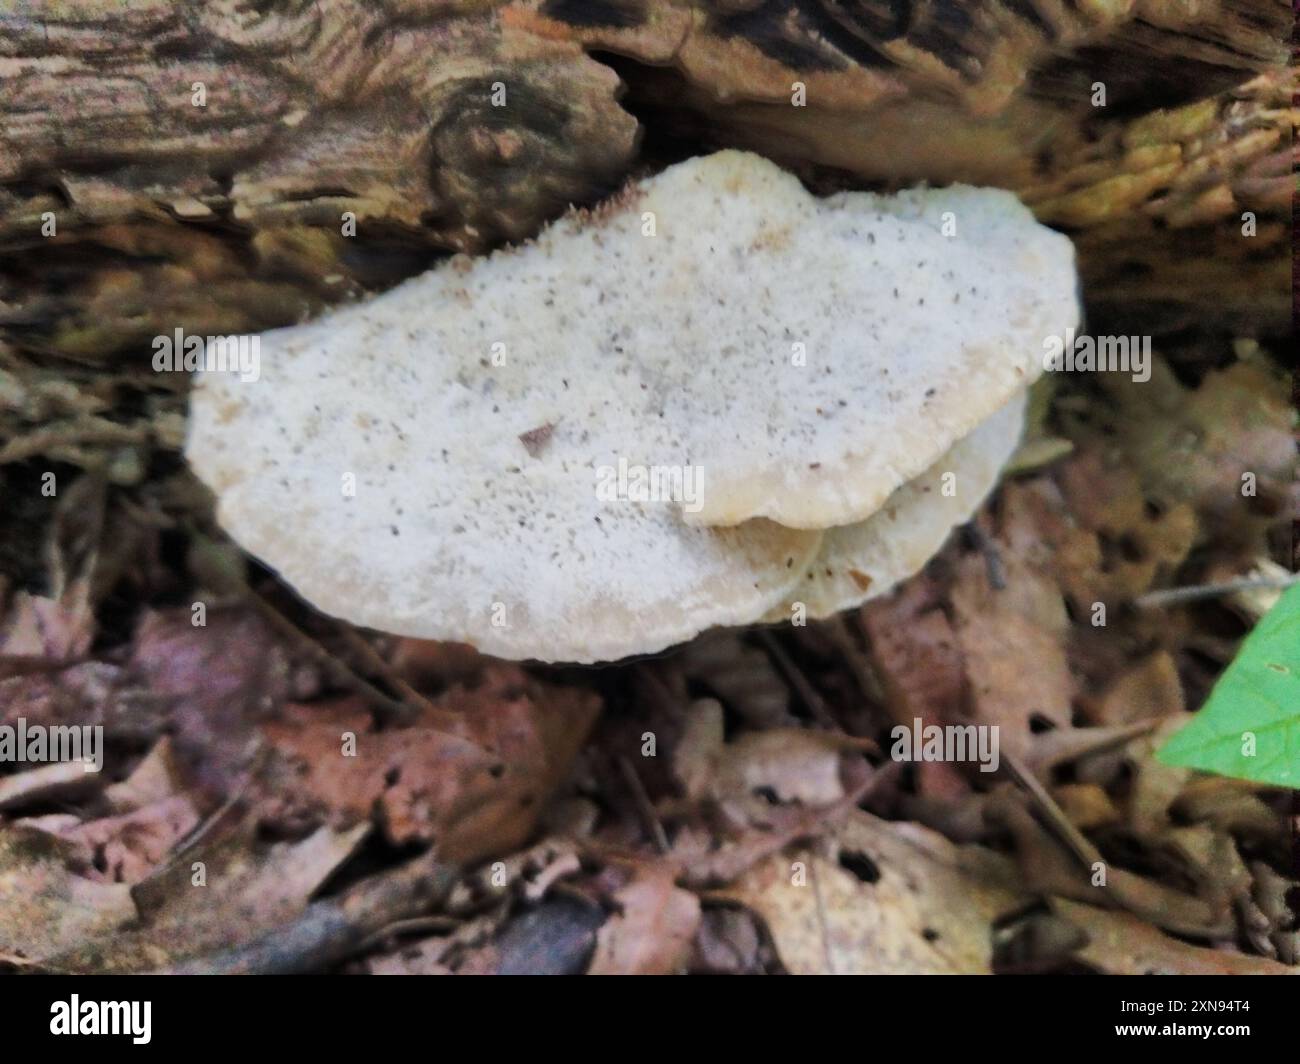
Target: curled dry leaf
pixel 46 783
pixel 127 848
pixel 1155 786
pixel 1136 545
pixel 790 764
pixel 1270 892
pixel 1086 805
pixel 915 652
pixel 1238 421
pixel 153 811
pixel 1121 944
pixel 1209 857
pixel 94 693
pixel 1150 689
pixel 1049 866
pixel 1231 805
pixel 64 880
pixel 1012 641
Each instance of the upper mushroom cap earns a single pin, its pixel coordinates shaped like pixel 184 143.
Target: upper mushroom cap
pixel 910 337
pixel 477 408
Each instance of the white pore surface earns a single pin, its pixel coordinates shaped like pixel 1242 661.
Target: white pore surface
pixel 860 561
pixel 674 350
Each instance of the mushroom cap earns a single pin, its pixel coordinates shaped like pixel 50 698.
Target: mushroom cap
pixel 474 410
pixel 560 587
pixel 860 561
pixel 911 337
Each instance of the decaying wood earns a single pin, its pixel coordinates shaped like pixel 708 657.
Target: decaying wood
pixel 197 160
pixel 1157 184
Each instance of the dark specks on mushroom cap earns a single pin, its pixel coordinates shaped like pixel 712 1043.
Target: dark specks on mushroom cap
pixel 535 440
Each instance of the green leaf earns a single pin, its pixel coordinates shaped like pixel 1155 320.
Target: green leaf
pixel 1258 695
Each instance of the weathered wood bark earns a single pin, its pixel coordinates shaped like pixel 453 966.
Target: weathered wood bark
pixel 196 159
pixel 1177 188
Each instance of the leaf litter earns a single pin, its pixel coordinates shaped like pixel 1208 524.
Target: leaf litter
pixel 284 792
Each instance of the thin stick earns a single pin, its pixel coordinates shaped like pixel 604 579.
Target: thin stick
pixel 373 660
pixel 390 708
pixel 335 928
pixel 415 925
pixel 997 573
pixel 1062 825
pixel 811 698
pixel 88 430
pixel 821 920
pixel 1176 596
pixel 859 665
pixel 644 806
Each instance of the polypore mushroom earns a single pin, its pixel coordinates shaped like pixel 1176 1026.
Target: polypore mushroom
pixel 463 457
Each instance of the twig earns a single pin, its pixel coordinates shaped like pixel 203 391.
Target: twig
pixel 390 708
pixel 1168 908
pixel 330 930
pixel 997 573
pixel 375 661
pixel 1176 596
pixel 824 927
pixel 859 664
pixel 644 806
pixel 92 430
pixel 811 698
pixel 1064 745
pixel 415 925
pixel 225 816
pixel 1061 825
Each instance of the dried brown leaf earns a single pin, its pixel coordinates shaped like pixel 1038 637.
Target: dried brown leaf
pixel 218 896
pixel 652 932
pixel 45 908
pixel 881 897
pixel 474 792
pixel 1121 944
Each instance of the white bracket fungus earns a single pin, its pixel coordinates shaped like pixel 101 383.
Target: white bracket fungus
pixel 599 443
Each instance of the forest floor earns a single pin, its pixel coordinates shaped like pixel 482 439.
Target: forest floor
pixel 729 806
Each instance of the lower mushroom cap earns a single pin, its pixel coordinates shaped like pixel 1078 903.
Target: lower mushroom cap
pixel 860 561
